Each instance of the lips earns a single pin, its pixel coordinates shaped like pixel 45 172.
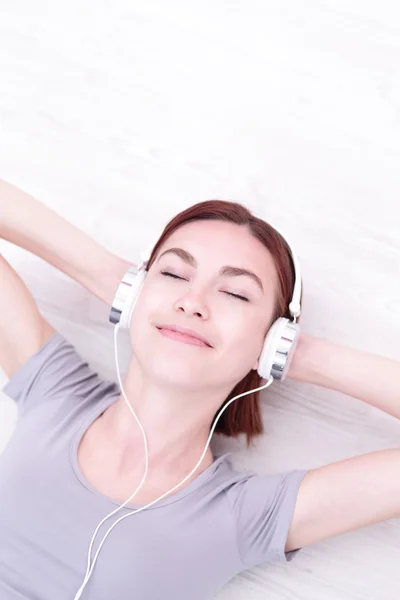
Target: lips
pixel 185 333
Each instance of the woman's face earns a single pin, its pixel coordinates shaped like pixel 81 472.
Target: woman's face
pixel 201 300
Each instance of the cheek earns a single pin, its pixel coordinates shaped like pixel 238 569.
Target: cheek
pixel 241 338
pixel 248 339
pixel 244 327
pixel 141 314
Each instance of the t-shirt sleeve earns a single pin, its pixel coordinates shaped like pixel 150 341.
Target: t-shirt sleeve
pixel 55 370
pixel 263 507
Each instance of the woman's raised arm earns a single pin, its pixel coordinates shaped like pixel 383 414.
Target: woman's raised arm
pixel 30 224
pixel 349 494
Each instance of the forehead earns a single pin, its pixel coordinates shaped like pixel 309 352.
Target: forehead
pixel 222 243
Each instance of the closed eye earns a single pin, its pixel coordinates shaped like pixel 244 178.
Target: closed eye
pixel 238 296
pixel 243 298
pixel 170 275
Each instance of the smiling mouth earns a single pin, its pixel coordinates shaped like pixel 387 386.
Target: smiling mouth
pixel 182 337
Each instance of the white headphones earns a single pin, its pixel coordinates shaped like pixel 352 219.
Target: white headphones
pixel 275 358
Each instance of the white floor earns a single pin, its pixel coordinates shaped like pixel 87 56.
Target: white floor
pixel 120 114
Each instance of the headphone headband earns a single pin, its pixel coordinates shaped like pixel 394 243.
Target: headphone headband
pixel 294 305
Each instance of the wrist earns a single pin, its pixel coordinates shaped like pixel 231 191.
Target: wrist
pixel 103 278
pixel 304 363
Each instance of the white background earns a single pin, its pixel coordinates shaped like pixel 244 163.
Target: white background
pixel 120 114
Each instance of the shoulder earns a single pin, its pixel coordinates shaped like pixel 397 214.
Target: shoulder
pixel 262 506
pixel 57 370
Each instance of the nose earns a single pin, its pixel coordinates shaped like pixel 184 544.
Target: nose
pixel 193 302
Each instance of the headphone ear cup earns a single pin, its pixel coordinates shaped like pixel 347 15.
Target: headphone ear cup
pixel 131 299
pixel 278 349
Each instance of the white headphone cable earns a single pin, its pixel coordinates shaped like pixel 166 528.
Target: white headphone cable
pixel 90 566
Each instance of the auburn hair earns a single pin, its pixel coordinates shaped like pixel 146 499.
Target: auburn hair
pixel 243 415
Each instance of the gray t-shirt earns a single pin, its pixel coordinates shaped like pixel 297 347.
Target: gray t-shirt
pixel 188 545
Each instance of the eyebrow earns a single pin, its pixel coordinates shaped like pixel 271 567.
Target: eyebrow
pixel 225 270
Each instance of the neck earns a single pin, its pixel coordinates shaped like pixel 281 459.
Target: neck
pixel 169 449
pixel 176 421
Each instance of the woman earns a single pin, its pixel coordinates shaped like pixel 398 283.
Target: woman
pixel 77 453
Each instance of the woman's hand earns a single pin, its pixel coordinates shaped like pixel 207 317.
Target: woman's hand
pixel 298 367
